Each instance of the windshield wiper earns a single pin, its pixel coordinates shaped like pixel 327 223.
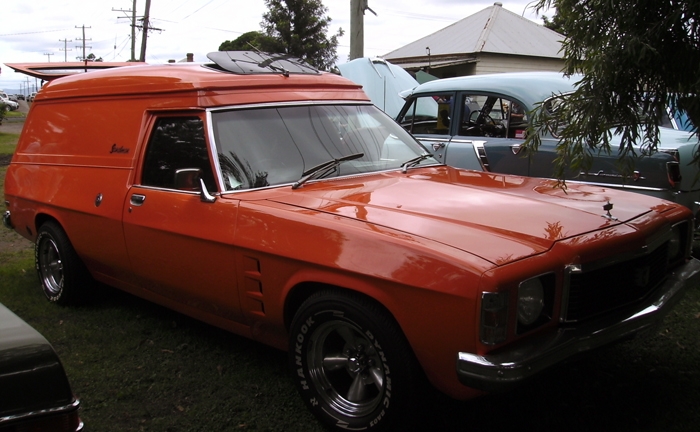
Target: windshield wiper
pixel 324 168
pixel 413 162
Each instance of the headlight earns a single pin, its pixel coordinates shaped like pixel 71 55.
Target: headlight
pixel 530 301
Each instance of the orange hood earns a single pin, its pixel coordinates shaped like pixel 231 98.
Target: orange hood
pixel 498 218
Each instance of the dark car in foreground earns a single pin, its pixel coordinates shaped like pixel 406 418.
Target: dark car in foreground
pixel 35 394
pixel 479 122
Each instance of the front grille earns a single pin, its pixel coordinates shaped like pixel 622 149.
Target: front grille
pixel 605 289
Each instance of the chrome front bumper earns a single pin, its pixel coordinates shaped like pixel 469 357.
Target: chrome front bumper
pixel 506 368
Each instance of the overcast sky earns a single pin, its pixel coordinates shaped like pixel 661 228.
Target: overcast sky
pixel 35 31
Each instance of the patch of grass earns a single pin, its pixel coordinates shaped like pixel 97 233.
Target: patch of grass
pixel 8 142
pixel 15 114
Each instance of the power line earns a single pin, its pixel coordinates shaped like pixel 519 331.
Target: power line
pixel 36 32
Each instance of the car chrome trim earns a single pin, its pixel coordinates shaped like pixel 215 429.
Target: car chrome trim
pixel 619 186
pixel 481 156
pixel 512 365
pixel 65 409
pixel 286 104
pixel 137 199
pixel 566 290
pixel 6 220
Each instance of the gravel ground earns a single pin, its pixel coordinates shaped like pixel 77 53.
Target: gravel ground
pixel 12 126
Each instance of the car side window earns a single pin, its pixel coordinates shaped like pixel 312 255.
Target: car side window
pixel 176 143
pixel 430 114
pixel 492 116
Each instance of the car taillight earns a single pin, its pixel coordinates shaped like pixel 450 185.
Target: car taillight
pixel 673 171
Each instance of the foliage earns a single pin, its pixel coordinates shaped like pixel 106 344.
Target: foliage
pixel 92 58
pixel 3 110
pixel 301 27
pixel 635 58
pixel 254 40
pixel 554 24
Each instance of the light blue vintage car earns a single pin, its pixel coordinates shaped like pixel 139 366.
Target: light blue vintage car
pixel 479 122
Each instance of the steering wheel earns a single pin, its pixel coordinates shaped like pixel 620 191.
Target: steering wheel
pixel 483 125
pixel 481 118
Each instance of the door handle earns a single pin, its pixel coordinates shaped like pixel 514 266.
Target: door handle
pixel 438 146
pixel 137 199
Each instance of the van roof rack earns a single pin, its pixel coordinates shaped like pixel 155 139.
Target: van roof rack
pixel 256 62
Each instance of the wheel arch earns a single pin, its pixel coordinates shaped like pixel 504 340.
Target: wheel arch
pixel 423 332
pixel 42 218
pixel 302 291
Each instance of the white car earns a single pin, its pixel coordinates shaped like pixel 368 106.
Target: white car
pixel 9 104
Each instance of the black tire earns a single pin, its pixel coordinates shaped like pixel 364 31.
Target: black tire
pixel 62 275
pixel 352 364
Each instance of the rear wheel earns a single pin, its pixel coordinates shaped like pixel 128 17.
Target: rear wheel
pixel 352 364
pixel 63 276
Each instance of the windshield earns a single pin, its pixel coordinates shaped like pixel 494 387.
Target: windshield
pixel 263 147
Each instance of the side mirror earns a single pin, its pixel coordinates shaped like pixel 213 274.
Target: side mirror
pixel 190 179
pixel 186 179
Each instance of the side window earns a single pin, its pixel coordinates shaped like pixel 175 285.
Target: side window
pixel 431 114
pixel 176 143
pixel 491 116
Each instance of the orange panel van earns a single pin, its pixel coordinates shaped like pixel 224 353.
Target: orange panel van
pixel 275 201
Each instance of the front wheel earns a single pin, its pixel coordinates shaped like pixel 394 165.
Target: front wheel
pixel 352 364
pixel 63 276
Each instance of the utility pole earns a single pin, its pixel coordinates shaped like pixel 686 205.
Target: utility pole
pixel 83 39
pixel 48 55
pixel 65 48
pixel 133 28
pixel 133 32
pixel 357 27
pixel 144 29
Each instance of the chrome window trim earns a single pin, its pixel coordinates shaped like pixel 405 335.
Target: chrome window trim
pixel 210 129
pixel 162 189
pixel 214 155
pixel 285 104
